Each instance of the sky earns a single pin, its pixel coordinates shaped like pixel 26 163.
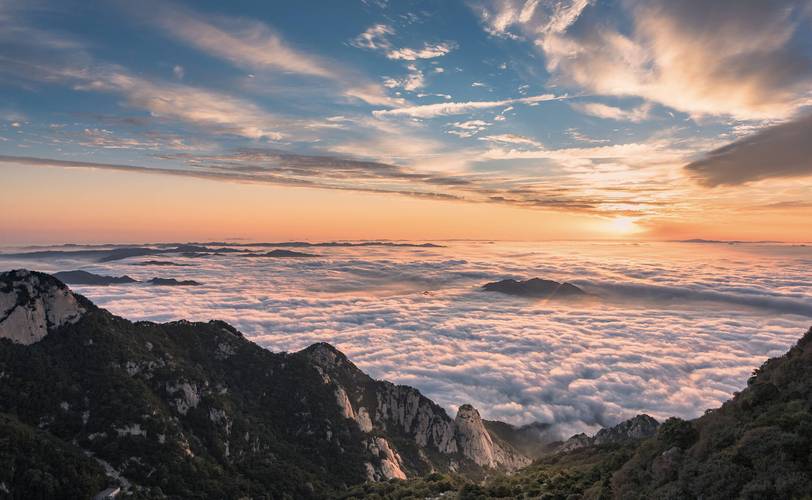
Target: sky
pixel 524 120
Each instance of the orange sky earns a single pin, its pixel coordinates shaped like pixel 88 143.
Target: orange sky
pixel 80 205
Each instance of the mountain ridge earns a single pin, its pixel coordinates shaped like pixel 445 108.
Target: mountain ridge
pixel 200 396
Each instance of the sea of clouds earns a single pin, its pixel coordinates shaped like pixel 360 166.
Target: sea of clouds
pixel 671 329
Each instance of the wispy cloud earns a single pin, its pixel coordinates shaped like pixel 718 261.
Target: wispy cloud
pixel 600 110
pixel 458 108
pixel 330 172
pixel 378 37
pixel 515 139
pixel 429 51
pixel 254 45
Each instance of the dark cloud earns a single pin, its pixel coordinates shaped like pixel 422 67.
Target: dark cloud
pixel 783 150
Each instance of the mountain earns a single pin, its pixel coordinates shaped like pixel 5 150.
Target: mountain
pixel 160 263
pixel 634 429
pixel 90 400
pixel 536 288
pixel 172 282
pixel 31 305
pixel 86 278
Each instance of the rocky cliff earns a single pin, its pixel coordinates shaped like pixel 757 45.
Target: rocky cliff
pixel 430 439
pixel 153 408
pixel 33 304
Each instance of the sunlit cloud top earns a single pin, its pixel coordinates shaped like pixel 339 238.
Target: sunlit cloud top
pixel 659 119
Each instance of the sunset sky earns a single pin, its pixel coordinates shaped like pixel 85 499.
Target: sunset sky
pixel 148 121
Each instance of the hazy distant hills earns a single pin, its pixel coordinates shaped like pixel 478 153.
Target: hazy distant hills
pixel 88 278
pixel 195 410
pixel 112 253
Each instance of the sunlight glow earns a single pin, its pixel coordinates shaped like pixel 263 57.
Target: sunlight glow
pixel 624 225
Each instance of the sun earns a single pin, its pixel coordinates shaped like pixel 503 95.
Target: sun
pixel 623 225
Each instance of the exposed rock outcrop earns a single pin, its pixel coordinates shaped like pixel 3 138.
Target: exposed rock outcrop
pixel 636 428
pixel 476 443
pixel 33 304
pixel 639 427
pixel 380 407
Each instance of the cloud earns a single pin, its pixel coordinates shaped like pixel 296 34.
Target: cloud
pixel 725 58
pixel 576 367
pixel 377 37
pixel 185 103
pixel 458 108
pixel 519 140
pixel 415 80
pixel 326 172
pixel 468 128
pixel 783 150
pixel 429 51
pixel 254 45
pixel 600 110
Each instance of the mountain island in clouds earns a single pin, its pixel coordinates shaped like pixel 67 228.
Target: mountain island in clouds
pixel 547 249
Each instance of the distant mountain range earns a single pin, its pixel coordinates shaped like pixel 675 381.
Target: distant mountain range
pixel 90 401
pixel 111 253
pixel 88 278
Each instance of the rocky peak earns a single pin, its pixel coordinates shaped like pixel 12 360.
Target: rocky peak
pixel 639 427
pixel 476 443
pixel 326 356
pixel 474 440
pixel 33 304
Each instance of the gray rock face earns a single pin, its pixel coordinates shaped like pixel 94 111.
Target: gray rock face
pixel 33 304
pixel 639 427
pixel 384 409
pixel 476 443
pixel 406 409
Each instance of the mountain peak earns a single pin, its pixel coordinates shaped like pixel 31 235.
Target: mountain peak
pixel 476 443
pixel 33 304
pixel 535 288
pixel 638 427
pixel 326 356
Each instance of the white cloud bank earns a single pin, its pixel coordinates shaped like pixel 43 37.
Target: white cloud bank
pixel 684 333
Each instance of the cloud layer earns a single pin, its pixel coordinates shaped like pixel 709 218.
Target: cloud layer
pixel 675 328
